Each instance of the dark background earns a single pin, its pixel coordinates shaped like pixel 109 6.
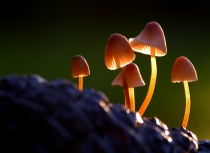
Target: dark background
pixel 41 37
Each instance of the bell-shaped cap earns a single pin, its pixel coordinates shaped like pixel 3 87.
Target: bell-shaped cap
pixel 151 36
pixel 118 52
pixel 183 70
pixel 79 67
pixel 133 75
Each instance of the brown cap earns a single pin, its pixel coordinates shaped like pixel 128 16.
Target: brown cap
pixel 183 70
pixel 118 52
pixel 151 36
pixel 79 67
pixel 133 76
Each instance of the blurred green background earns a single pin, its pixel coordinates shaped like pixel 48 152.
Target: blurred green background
pixel 41 37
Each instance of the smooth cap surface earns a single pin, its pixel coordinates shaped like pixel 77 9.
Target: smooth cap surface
pixel 134 78
pixel 183 70
pixel 118 52
pixel 79 67
pixel 151 36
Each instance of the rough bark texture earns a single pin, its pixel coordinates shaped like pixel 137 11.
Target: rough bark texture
pixel 38 116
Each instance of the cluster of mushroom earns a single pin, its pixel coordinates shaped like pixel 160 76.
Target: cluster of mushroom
pixel 119 53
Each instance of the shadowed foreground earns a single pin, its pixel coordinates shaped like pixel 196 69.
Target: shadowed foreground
pixel 40 116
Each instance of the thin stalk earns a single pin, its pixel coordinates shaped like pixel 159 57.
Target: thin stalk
pixel 152 83
pixel 187 108
pixel 125 88
pixel 132 99
pixel 80 83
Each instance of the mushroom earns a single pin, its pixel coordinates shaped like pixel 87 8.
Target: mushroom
pixel 134 79
pixel 118 53
pixel 150 41
pixel 184 71
pixel 79 68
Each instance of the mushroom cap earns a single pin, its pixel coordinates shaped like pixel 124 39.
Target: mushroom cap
pixel 118 52
pixel 183 70
pixel 133 75
pixel 79 67
pixel 151 36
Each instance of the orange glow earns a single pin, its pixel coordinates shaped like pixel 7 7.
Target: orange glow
pixel 133 76
pixel 118 52
pixel 132 99
pixel 151 85
pixel 151 36
pixel 134 79
pixel 187 108
pixel 125 88
pixel 151 41
pixel 183 70
pixel 79 68
pixel 80 83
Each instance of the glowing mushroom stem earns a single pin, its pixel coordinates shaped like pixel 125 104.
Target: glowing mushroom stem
pixel 125 88
pixel 79 68
pixel 152 83
pixel 187 108
pixel 133 79
pixel 132 99
pixel 80 83
pixel 184 71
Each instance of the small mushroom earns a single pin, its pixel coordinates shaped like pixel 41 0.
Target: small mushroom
pixel 184 71
pixel 79 68
pixel 134 79
pixel 118 53
pixel 150 41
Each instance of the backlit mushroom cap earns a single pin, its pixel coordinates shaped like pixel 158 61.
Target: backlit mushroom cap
pixel 79 67
pixel 134 78
pixel 151 36
pixel 183 70
pixel 118 52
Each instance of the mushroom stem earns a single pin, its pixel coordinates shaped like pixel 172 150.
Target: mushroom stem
pixel 132 99
pixel 80 83
pixel 152 83
pixel 125 87
pixel 187 108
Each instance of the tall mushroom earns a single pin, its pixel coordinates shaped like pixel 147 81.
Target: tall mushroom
pixel 118 53
pixel 79 68
pixel 150 41
pixel 134 79
pixel 184 71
